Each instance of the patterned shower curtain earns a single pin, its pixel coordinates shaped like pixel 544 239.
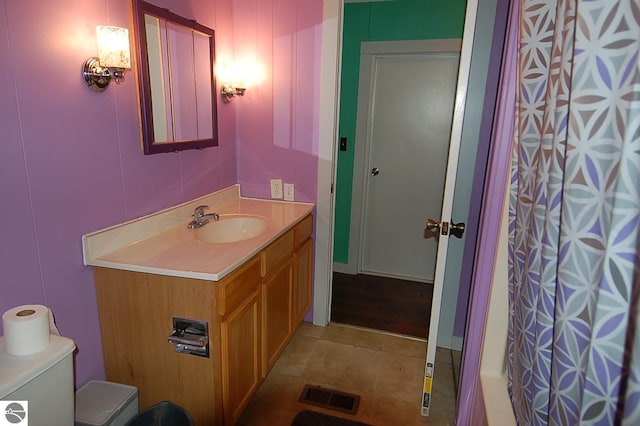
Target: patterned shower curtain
pixel 574 337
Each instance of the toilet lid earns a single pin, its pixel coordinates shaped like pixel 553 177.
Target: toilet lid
pixel 16 371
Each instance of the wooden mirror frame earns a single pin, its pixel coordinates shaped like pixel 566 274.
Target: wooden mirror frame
pixel 149 144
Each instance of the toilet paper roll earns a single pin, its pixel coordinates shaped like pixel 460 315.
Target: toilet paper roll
pixel 26 329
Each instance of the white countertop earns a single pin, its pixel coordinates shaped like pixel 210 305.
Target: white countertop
pixel 162 244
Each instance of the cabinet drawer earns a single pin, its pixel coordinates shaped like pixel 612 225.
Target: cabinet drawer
pixel 278 251
pixel 303 230
pixel 237 286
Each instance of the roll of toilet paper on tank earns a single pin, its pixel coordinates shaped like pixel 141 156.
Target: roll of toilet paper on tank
pixel 26 329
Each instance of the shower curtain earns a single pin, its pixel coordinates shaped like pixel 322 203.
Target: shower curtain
pixel 574 329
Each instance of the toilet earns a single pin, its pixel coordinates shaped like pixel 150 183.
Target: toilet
pixel 44 379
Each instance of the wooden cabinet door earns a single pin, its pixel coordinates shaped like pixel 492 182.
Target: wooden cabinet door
pixel 302 281
pixel 241 366
pixel 276 310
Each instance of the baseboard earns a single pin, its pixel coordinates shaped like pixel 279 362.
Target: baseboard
pixel 344 268
pixel 456 343
pixel 453 343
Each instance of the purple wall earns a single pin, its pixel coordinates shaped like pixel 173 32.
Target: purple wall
pixel 470 401
pixel 71 161
pixel 278 132
pixel 477 191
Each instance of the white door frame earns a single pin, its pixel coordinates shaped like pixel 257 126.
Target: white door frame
pixel 328 135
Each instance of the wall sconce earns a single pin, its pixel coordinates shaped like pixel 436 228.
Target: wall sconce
pixel 237 77
pixel 113 58
pixel 228 92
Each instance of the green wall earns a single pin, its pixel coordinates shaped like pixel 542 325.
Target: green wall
pixel 379 21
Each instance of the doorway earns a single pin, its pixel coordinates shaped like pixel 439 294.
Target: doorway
pixel 473 112
pixel 405 107
pixel 380 21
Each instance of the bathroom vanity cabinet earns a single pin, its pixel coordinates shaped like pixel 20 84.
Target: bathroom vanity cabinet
pixel 252 313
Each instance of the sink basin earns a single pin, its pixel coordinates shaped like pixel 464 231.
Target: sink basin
pixel 230 229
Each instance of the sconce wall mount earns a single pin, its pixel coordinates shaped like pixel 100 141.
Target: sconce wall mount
pixel 98 77
pixel 228 92
pixel 114 57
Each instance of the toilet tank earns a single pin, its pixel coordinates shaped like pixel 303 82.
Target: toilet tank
pixel 44 379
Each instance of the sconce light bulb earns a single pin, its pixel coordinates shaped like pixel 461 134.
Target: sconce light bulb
pixel 114 57
pixel 113 46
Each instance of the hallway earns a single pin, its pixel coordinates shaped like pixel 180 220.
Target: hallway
pixel 381 303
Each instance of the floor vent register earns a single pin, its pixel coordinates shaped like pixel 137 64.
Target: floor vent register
pixel 331 399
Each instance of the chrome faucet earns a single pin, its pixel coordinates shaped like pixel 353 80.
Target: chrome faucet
pixel 200 219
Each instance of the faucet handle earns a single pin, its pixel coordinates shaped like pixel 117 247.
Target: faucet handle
pixel 199 211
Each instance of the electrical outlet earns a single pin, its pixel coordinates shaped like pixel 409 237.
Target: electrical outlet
pixel 289 192
pixel 276 188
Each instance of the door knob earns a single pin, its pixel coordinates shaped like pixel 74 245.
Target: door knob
pixel 457 229
pixel 433 226
pixel 375 171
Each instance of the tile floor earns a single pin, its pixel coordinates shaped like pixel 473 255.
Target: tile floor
pixel 385 370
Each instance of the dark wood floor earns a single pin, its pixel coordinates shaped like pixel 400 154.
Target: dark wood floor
pixel 382 303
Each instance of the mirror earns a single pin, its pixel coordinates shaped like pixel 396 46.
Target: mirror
pixel 176 84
